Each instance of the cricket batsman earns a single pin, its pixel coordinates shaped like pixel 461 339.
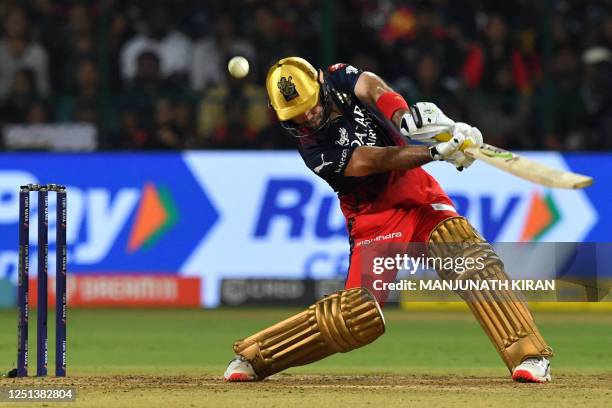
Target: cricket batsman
pixel 354 131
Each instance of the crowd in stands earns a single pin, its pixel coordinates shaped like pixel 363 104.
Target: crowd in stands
pixel 151 74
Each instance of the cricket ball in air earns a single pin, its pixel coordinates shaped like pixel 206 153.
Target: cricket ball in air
pixel 238 67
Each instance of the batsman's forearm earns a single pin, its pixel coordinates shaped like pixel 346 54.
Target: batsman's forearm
pixel 405 157
pixel 368 160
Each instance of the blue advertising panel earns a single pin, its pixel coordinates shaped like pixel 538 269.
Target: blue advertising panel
pixel 219 215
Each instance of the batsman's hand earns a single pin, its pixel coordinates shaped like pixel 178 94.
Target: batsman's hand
pixel 472 137
pixel 445 151
pixel 425 121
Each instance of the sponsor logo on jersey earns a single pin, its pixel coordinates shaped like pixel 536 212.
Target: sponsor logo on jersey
pixel 368 241
pixel 343 140
pixel 342 162
pixel 363 128
pixel 344 97
pixel 351 70
pixel 322 165
pixel 335 67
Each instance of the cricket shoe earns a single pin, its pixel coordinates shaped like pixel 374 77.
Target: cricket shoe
pixel 239 370
pixel 532 370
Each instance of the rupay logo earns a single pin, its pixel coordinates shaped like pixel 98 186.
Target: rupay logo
pixel 115 213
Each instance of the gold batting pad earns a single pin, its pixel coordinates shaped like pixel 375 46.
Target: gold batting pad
pixel 501 313
pixel 340 322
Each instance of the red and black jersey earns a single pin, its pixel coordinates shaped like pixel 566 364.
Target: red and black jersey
pixel 328 152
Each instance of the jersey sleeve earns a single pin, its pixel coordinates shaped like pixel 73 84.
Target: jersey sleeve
pixel 343 76
pixel 329 162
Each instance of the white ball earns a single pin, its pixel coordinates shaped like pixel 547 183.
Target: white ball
pixel 238 67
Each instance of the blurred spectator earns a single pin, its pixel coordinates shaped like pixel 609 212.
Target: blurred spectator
pixel 38 113
pixel 167 135
pixel 503 111
pixel 561 110
pixel 172 125
pixel 84 103
pixel 230 116
pixel 174 48
pixel 496 51
pixel 132 133
pixel 210 55
pixel 147 86
pixel 366 62
pixel 596 95
pixel 130 68
pixel 119 32
pixel 410 32
pixel 606 33
pixel 19 50
pixel 560 32
pixel 428 84
pixel 272 37
pixel 22 94
pixel 78 42
pixel 149 81
pixel 184 120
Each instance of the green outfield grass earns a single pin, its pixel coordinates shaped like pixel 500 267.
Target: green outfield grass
pixel 197 344
pixel 199 341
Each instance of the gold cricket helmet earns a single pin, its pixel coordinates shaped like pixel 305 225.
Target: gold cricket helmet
pixel 293 87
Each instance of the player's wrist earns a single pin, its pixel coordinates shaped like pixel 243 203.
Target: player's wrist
pixel 398 115
pixel 391 102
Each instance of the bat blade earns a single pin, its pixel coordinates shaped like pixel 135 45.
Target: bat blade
pixel 528 169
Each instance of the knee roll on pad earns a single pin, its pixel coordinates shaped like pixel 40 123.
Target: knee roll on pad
pixel 502 313
pixel 338 323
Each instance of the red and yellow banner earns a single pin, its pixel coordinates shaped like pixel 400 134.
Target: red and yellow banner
pixel 127 290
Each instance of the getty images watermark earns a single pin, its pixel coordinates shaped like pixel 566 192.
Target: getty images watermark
pixel 411 265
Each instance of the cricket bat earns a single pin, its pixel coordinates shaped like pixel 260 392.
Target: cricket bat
pixel 528 169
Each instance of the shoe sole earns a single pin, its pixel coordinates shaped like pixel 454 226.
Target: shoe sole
pixel 239 377
pixel 525 376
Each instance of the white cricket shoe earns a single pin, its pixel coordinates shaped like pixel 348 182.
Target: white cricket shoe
pixel 532 370
pixel 239 369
